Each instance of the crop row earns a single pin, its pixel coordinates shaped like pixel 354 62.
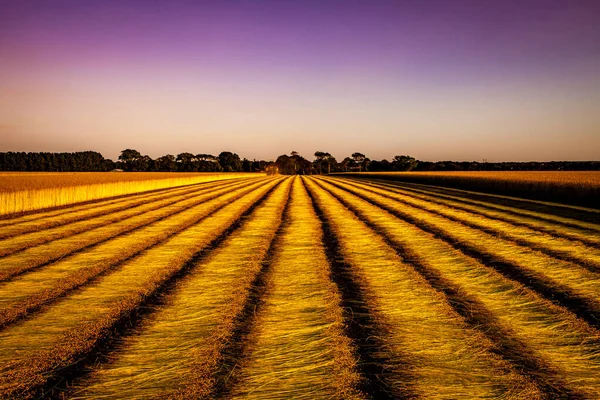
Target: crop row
pixel 302 287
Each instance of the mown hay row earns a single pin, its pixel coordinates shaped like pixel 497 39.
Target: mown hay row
pixel 177 350
pixel 433 352
pixel 575 286
pixel 553 246
pixel 563 213
pixel 26 293
pixel 116 217
pixel 559 351
pixel 545 223
pixel 38 256
pixel 40 351
pixel 70 214
pixel 571 187
pixel 297 347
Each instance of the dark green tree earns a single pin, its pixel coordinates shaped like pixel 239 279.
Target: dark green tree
pixel 128 158
pixel 404 163
pixel 230 162
pixel 165 163
pixel 185 162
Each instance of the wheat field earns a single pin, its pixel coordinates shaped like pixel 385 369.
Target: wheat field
pixel 271 287
pixel 22 192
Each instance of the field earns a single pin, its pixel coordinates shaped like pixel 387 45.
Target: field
pixel 571 187
pixel 28 191
pixel 301 287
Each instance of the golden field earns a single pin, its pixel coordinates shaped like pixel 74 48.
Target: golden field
pixel 573 187
pixel 27 191
pixel 301 287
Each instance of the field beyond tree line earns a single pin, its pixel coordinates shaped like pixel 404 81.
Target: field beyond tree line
pixel 253 286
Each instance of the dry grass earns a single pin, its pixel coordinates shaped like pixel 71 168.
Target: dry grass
pixel 551 224
pixel 55 339
pixel 50 219
pixel 184 339
pixel 563 276
pixel 568 348
pixel 22 192
pixel 576 187
pixel 111 216
pixel 583 178
pixel 297 348
pixel 23 294
pixel 301 288
pixel 433 352
pixel 118 232
pixel 568 249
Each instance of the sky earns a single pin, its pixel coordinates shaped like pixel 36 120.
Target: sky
pixel 438 80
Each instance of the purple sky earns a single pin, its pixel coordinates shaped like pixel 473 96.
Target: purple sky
pixel 462 80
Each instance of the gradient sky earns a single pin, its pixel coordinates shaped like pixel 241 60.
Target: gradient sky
pixel 436 79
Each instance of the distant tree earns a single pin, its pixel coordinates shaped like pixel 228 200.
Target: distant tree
pixel 246 165
pixel 358 158
pixel 128 158
pixel 305 167
pixel 285 165
pixel 108 165
pixel 165 163
pixel 144 163
pixel 185 162
pixel 230 162
pixel 383 165
pixel 359 161
pixel 404 163
pixel 208 163
pixel 323 162
pixel 346 164
pixel 293 165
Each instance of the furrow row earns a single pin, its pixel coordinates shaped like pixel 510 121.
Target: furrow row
pixel 432 350
pixel 44 254
pixel 297 347
pixel 187 333
pixel 545 342
pixel 115 215
pixel 554 212
pixel 304 287
pixel 27 293
pixel 44 350
pixel 571 285
pixel 557 247
pixel 101 208
pixel 542 223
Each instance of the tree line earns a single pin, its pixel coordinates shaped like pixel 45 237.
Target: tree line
pixel 292 164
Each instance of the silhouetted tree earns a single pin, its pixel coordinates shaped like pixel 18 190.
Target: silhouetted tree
pixel 285 165
pixel 404 163
pixel 185 162
pixel 323 162
pixel 165 163
pixel 230 162
pixel 246 165
pixel 208 163
pixel 128 158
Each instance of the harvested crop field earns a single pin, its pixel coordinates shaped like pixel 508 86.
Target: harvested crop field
pixel 571 187
pixel 301 287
